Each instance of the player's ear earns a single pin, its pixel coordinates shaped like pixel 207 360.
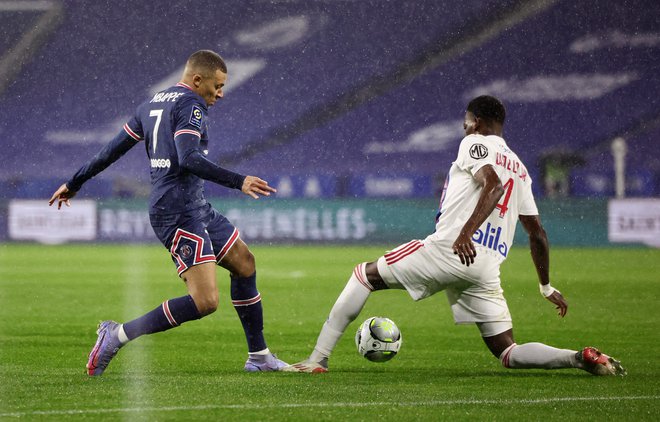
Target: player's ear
pixel 197 80
pixel 478 124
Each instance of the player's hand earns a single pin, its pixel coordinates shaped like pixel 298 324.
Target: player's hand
pixel 255 186
pixel 464 248
pixel 62 195
pixel 561 303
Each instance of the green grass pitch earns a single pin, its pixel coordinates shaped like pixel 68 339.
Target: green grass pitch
pixel 51 299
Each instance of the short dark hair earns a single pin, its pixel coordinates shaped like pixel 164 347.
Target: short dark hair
pixel 206 61
pixel 487 108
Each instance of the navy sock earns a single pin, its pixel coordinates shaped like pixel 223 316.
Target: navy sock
pixel 169 314
pixel 247 302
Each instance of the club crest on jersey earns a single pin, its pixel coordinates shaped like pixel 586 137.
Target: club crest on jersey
pixel 185 251
pixel 490 238
pixel 478 151
pixel 196 117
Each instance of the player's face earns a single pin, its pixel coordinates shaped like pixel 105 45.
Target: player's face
pixel 210 88
pixel 470 124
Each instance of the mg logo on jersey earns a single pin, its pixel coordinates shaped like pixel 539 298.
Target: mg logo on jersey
pixel 490 238
pixel 478 151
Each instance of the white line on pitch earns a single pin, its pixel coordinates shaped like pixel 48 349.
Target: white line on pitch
pixel 134 303
pixel 431 403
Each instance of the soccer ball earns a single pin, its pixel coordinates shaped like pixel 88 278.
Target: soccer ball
pixel 378 339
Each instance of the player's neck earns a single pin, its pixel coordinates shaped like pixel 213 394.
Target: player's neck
pixel 186 82
pixel 490 130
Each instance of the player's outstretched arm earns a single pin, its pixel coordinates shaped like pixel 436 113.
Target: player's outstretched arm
pixel 114 150
pixel 255 186
pixel 491 193
pixel 540 249
pixel 62 195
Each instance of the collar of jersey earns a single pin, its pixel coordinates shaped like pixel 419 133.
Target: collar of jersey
pixel 181 84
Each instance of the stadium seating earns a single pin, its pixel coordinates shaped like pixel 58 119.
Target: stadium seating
pixel 563 89
pixel 339 98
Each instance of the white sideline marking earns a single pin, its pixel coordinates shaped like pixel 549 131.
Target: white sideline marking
pixel 431 403
pixel 135 268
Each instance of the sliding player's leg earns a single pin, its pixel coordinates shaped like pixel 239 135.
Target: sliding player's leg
pixel 414 266
pixel 346 308
pixel 524 356
pixel 407 262
pixel 541 356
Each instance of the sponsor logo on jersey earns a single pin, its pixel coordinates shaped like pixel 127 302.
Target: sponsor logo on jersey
pixel 196 117
pixel 160 163
pixel 490 238
pixel 478 151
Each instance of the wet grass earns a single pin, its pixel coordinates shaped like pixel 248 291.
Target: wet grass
pixel 52 297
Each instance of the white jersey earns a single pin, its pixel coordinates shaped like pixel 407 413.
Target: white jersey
pixel 461 194
pixel 429 266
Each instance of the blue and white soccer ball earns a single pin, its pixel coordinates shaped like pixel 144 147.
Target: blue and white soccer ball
pixel 378 339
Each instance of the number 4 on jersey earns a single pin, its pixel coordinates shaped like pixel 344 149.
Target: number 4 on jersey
pixel 504 205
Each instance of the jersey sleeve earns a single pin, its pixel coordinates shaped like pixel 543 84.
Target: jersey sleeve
pixel 527 204
pixel 133 129
pixel 189 129
pixel 115 149
pixel 189 117
pixel 473 154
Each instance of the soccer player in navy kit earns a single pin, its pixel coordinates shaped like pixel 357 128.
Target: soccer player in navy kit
pixel 173 127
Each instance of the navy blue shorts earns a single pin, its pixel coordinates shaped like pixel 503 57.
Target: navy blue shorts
pixel 196 236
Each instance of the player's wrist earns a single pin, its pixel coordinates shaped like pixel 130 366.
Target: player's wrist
pixel 71 187
pixel 547 290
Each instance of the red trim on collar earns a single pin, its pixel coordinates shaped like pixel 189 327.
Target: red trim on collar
pixel 184 85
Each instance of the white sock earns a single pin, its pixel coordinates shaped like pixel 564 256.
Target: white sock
pixel 121 335
pixel 259 353
pixel 328 339
pixel 538 355
pixel 347 307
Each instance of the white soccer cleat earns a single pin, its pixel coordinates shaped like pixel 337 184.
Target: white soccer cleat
pixel 306 366
pixel 266 363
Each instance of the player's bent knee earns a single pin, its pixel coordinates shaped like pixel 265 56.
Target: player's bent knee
pixel 248 264
pixel 200 280
pixel 373 276
pixel 206 305
pixel 498 336
pixel 240 261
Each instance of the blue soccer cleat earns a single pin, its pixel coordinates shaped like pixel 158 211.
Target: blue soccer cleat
pixel 267 363
pixel 106 347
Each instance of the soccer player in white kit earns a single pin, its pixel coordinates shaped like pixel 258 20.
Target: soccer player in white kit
pixel 487 190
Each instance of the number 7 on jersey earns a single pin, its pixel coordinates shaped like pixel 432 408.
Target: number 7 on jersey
pixel 157 114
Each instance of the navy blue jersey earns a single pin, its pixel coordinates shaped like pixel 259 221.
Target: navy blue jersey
pixel 171 113
pixel 173 126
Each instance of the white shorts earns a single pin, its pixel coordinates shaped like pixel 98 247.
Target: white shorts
pixel 426 267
